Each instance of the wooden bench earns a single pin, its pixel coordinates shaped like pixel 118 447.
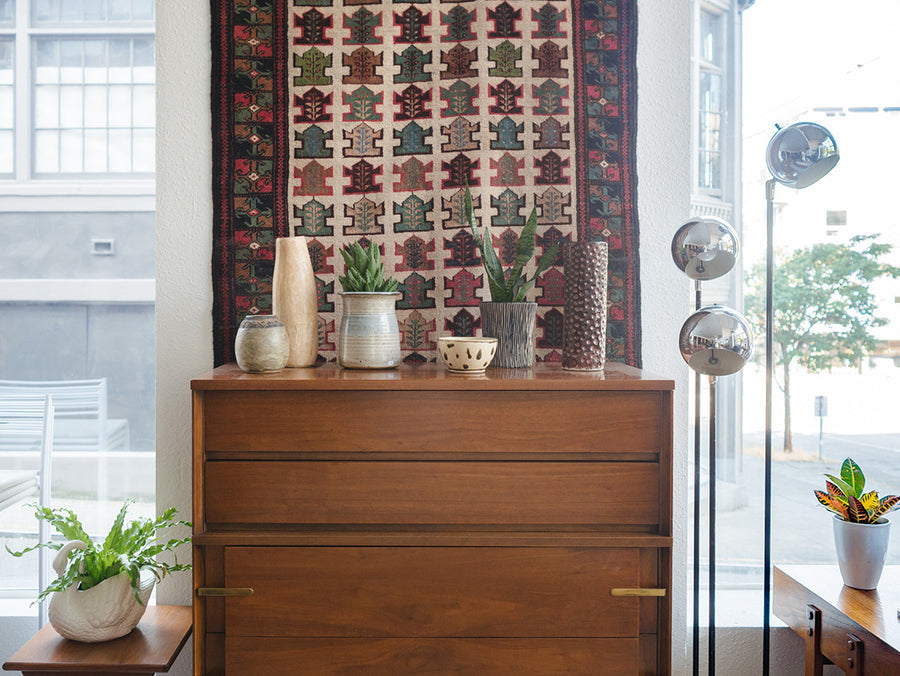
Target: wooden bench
pixel 149 649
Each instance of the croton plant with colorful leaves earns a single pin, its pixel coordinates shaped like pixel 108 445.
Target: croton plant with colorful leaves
pixel 844 496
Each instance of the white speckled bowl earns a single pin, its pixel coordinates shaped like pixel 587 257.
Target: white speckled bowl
pixel 467 355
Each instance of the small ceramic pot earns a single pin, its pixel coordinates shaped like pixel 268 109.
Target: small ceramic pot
pixel 512 324
pixel 101 613
pixel 467 354
pixel 370 335
pixel 262 344
pixel 861 548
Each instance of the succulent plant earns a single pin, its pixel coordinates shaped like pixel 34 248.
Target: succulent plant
pixel 844 496
pixel 512 285
pixel 365 271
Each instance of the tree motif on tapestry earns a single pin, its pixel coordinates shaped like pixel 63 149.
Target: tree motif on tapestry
pixel 413 253
pixel 459 25
pixel 313 217
pixel 312 64
pixel 362 24
pixel 507 135
pixel 413 213
pixel 506 57
pixel 363 141
pixel 414 290
pixel 412 62
pixel 460 135
pixel 412 139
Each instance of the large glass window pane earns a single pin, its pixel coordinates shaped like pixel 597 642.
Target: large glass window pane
pixel 61 12
pixel 709 132
pixel 711 37
pixel 7 12
pixel 7 106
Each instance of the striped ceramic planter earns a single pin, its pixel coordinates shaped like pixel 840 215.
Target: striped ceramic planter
pixel 512 324
pixel 370 336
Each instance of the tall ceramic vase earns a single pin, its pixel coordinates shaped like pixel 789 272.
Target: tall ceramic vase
pixel 370 334
pixel 512 324
pixel 584 318
pixel 294 299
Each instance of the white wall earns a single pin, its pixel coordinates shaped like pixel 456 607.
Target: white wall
pixel 184 218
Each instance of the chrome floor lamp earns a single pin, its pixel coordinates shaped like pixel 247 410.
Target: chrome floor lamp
pixel 797 156
pixel 714 341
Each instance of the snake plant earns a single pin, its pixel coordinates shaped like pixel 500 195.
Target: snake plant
pixel 512 285
pixel 844 496
pixel 365 271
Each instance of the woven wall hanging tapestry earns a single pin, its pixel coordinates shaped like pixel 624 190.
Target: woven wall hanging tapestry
pixel 345 120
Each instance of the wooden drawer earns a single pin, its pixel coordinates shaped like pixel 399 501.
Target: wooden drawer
pixel 418 657
pixel 452 421
pixel 462 493
pixel 417 592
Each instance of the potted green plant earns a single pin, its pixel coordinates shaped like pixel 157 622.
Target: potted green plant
pixel 861 529
pixel 508 316
pixel 102 588
pixel 369 334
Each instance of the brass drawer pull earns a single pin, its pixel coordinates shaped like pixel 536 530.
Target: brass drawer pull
pixel 224 591
pixel 636 591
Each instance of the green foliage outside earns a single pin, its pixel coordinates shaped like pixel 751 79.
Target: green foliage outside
pixel 823 308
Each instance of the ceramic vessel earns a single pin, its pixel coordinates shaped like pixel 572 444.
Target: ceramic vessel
pixel 294 299
pixel 369 335
pixel 584 316
pixel 467 354
pixel 101 613
pixel 262 344
pixel 512 324
pixel 861 548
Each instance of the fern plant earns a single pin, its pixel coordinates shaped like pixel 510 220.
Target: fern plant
pixel 512 285
pixel 365 271
pixel 844 496
pixel 124 550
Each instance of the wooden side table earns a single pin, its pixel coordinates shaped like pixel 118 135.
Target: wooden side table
pixel 152 647
pixel 859 631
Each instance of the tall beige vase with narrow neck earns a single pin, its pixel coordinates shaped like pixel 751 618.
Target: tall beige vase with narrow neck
pixel 294 299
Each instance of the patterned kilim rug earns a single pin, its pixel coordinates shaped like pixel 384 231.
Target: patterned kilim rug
pixel 349 120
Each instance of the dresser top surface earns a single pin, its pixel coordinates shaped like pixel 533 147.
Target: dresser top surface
pixel 616 377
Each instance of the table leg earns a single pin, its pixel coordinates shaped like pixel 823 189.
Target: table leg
pixel 814 660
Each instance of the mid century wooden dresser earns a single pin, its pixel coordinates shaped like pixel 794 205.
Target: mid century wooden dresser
pixel 412 521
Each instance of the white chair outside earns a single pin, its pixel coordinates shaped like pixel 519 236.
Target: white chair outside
pixel 29 418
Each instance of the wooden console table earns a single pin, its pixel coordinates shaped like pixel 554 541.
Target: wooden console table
pixel 151 648
pixel 859 631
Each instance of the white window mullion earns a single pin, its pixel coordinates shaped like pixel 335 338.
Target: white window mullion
pixel 23 120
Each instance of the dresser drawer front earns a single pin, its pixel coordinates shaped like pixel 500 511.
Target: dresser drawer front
pixel 418 656
pixel 445 421
pixel 407 592
pixel 462 493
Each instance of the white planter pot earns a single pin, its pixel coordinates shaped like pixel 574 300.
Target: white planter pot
pixel 861 548
pixel 101 613
pixel 370 335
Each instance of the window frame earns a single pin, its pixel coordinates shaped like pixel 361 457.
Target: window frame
pixel 63 192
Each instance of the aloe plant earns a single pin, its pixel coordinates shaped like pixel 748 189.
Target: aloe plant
pixel 365 271
pixel 844 496
pixel 124 550
pixel 512 285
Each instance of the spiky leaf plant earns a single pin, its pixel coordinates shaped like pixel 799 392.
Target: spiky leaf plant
pixel 512 285
pixel 365 271
pixel 124 550
pixel 844 496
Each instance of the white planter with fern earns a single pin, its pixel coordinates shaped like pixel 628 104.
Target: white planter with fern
pixel 861 529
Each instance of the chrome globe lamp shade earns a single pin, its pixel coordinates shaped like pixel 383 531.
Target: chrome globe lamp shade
pixel 797 156
pixel 705 248
pixel 716 341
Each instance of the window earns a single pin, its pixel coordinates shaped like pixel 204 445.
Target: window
pixel 77 160
pixel 710 100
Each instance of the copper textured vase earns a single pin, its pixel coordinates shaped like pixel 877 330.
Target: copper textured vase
pixel 584 316
pixel 512 324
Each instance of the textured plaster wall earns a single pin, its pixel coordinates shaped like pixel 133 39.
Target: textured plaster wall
pixel 184 295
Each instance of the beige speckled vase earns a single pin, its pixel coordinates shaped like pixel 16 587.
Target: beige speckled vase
pixel 262 344
pixel 294 299
pixel 370 335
